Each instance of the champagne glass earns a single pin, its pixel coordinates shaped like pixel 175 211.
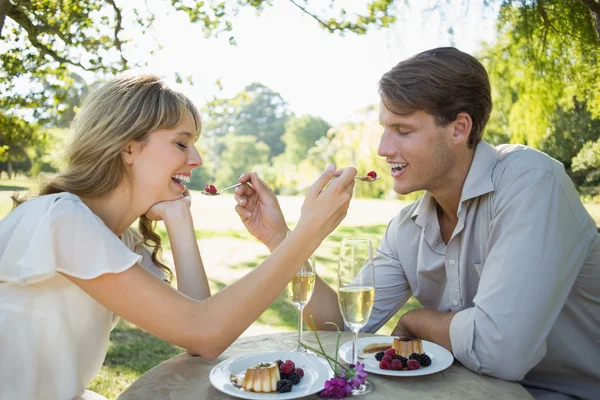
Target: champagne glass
pixel 356 291
pixel 300 290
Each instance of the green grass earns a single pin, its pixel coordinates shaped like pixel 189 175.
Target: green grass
pixel 5 208
pixel 18 184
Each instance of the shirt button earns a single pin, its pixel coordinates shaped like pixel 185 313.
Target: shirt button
pixel 455 302
pixel 452 261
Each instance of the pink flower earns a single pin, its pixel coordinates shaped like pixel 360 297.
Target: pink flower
pixel 336 388
pixel 350 378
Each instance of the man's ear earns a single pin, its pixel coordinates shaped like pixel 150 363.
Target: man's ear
pixel 462 128
pixel 130 152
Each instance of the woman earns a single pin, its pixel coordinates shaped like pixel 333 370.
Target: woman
pixel 69 264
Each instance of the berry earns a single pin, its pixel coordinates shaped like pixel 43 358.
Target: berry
pixel 390 352
pixel 287 367
pixel 279 362
pixel 413 364
pixel 294 377
pixel 291 362
pixel 425 360
pixel 387 358
pixel 385 365
pixel 283 376
pixel 404 361
pixel 300 372
pixel 284 385
pixel 397 365
pixel 372 174
pixel 210 189
pixel 379 355
pixel 414 356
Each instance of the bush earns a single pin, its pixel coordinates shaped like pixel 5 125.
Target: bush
pixel 587 164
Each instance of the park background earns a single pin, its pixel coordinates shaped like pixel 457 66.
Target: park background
pixel 286 88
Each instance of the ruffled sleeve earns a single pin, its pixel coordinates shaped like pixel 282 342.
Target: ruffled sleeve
pixel 59 234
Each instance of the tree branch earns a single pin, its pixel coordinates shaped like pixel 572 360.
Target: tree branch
pixel 32 33
pixel 118 28
pixel 304 10
pixel 4 4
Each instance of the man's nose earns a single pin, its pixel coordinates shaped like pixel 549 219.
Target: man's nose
pixel 385 147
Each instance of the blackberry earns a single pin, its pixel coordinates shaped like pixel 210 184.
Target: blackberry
pixel 414 356
pixel 379 356
pixel 425 361
pixel 294 377
pixel 283 375
pixel 404 361
pixel 284 386
pixel 279 362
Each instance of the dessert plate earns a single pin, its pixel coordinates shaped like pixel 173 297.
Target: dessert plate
pixel 440 357
pixel 316 372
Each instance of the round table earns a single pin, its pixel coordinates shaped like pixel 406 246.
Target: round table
pixel 186 377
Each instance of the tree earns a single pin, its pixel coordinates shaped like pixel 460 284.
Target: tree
pixel 243 153
pixel 256 111
pixel 546 56
pixel 17 137
pixel 301 134
pixel 587 164
pixel 568 132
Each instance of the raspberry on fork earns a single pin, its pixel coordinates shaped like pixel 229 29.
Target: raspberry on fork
pixel 210 189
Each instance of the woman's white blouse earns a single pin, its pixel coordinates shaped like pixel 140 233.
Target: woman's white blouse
pixel 53 336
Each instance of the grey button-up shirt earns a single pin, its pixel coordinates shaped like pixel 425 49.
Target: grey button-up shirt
pixel 522 269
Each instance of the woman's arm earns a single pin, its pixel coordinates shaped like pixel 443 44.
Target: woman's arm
pixel 208 327
pixel 189 269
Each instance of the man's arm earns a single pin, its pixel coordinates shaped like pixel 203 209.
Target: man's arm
pixel 430 325
pixel 391 289
pixel 323 307
pixel 538 242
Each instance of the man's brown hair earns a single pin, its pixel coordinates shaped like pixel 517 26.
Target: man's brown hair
pixel 442 82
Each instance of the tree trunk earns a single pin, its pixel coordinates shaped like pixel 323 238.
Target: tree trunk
pixel 4 4
pixel 9 169
pixel 594 7
pixel 596 19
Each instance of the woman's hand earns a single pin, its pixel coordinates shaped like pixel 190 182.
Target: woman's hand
pixel 159 211
pixel 259 210
pixel 324 208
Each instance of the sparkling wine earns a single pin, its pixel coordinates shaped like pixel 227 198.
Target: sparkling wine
pixel 301 287
pixel 356 303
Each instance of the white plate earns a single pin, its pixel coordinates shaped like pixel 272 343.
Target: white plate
pixel 440 357
pixel 316 372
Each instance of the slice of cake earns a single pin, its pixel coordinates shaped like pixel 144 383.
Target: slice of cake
pixel 406 345
pixel 262 378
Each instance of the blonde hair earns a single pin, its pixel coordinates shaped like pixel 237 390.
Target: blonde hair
pixel 123 110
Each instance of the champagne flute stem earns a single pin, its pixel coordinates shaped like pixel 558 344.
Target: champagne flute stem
pixel 300 323
pixel 354 346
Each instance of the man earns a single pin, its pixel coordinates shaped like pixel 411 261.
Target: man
pixel 499 250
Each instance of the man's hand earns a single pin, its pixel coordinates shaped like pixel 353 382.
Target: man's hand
pixel 400 330
pixel 259 210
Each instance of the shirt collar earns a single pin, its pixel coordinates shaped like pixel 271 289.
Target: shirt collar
pixel 478 182
pixel 479 178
